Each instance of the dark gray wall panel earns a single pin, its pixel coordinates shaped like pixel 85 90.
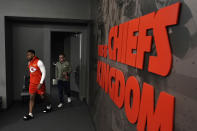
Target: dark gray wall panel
pixel 182 80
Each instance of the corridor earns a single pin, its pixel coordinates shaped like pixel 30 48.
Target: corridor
pixel 73 117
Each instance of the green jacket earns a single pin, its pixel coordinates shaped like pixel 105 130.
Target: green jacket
pixel 60 68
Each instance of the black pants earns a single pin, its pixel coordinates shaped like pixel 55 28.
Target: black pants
pixel 63 86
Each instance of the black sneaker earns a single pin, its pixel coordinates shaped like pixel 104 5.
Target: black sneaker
pixel 46 110
pixel 27 117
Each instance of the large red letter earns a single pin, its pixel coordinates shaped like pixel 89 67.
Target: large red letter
pixel 112 38
pixel 119 89
pixel 132 42
pixel 112 75
pixel 144 41
pixel 161 64
pixel 106 77
pixel 162 118
pixel 132 85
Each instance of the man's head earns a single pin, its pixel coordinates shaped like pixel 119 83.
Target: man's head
pixel 61 58
pixel 30 55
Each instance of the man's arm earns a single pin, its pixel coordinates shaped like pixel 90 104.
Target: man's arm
pixel 43 71
pixel 56 71
pixel 68 72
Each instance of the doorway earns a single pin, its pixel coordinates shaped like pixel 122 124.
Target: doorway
pixel 69 44
pixel 22 35
pixel 74 43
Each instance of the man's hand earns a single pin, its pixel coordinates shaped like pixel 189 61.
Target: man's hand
pixel 66 75
pixel 39 86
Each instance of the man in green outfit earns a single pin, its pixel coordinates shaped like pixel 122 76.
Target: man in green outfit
pixel 62 74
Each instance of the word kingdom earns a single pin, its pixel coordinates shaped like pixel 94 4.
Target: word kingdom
pixel 121 45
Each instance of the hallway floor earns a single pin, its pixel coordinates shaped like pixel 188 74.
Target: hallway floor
pixel 72 117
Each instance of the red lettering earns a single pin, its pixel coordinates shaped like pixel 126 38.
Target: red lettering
pixel 162 118
pixel 105 51
pixel 112 75
pixel 119 89
pixel 121 45
pixel 98 71
pixel 123 29
pixel 106 77
pixel 144 41
pixel 132 42
pixel 161 64
pixel 111 43
pixel 132 86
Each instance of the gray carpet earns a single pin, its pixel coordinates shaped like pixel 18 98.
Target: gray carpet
pixel 72 117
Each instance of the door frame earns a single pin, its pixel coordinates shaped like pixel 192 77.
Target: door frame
pixel 55 24
pixel 84 61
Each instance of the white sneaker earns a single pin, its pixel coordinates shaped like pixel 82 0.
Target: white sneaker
pixel 60 105
pixel 69 100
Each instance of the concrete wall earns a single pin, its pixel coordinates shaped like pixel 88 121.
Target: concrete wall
pixel 181 82
pixel 60 9
pixel 70 9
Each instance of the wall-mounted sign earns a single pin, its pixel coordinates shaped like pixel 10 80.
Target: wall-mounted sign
pixel 127 44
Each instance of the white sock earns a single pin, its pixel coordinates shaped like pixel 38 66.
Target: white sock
pixel 31 114
pixel 69 99
pixel 49 107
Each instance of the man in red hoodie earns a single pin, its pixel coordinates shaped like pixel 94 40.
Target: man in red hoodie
pixel 37 84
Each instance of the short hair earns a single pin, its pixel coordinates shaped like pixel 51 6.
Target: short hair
pixel 62 54
pixel 31 51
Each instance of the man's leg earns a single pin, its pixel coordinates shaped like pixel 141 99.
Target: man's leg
pixel 60 93
pixel 46 102
pixel 68 91
pixel 31 105
pixel 45 98
pixel 31 102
